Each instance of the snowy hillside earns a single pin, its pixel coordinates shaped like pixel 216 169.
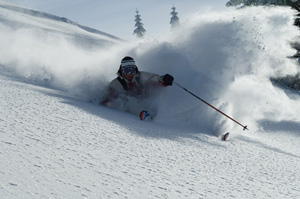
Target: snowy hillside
pixel 17 18
pixel 57 142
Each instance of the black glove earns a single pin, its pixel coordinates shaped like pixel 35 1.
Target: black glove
pixel 168 79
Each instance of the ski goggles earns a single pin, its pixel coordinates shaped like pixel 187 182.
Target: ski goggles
pixel 129 70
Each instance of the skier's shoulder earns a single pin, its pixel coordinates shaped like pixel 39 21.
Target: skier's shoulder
pixel 115 84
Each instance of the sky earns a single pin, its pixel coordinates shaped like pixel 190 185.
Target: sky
pixel 116 17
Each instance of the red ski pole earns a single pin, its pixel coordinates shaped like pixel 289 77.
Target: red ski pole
pixel 244 127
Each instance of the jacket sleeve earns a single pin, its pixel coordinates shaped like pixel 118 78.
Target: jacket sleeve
pixel 109 96
pixel 152 79
pixel 112 93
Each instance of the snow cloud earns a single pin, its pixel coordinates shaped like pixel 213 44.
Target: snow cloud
pixel 226 58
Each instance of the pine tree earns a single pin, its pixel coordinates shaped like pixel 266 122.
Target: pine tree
pixel 291 81
pixel 292 3
pixel 174 19
pixel 139 30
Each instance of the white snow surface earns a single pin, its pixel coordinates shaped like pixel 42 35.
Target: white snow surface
pixel 57 142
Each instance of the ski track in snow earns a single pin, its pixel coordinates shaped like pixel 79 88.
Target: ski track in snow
pixel 56 146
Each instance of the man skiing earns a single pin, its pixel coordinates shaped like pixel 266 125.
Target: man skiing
pixel 132 89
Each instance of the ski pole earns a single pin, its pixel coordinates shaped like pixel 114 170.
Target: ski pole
pixel 244 127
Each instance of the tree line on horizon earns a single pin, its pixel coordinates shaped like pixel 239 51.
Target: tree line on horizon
pixel 140 31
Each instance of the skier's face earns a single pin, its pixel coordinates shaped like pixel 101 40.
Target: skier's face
pixel 129 72
pixel 128 76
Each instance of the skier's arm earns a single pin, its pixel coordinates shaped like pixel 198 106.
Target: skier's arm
pixel 111 94
pixel 152 79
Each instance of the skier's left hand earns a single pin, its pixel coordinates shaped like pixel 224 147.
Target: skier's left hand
pixel 168 79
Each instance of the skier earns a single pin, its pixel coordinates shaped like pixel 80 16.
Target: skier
pixel 133 90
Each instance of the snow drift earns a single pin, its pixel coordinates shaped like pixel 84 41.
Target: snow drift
pixel 226 58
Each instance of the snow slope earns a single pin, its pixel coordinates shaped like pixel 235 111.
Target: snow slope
pixel 55 143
